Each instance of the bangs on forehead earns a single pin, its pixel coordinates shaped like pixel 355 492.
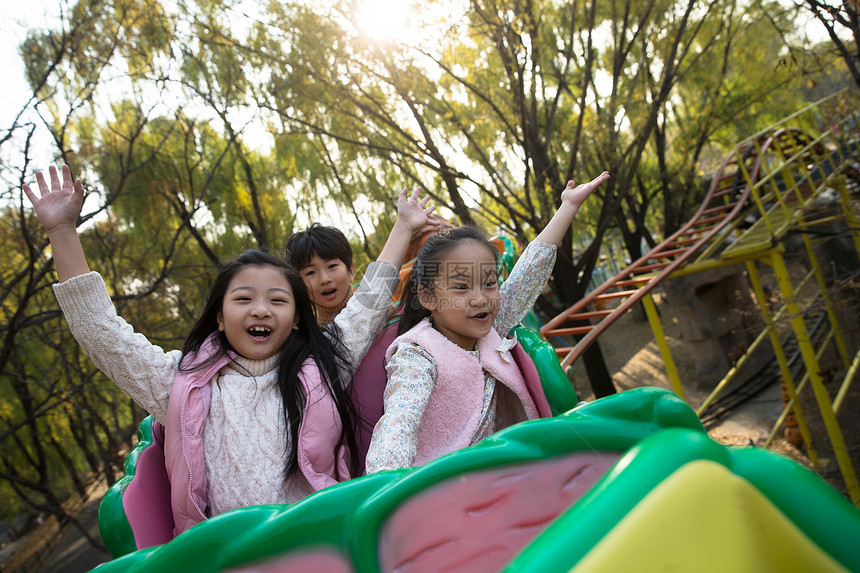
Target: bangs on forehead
pixel 302 254
pixel 469 270
pixel 326 242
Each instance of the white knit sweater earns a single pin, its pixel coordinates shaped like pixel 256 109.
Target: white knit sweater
pixel 245 440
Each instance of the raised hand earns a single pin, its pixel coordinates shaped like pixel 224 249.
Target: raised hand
pixel 571 199
pixel 413 215
pixel 412 211
pixel 57 207
pixel 576 195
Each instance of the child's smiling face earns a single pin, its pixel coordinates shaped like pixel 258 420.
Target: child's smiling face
pixel 258 312
pixel 328 280
pixel 465 299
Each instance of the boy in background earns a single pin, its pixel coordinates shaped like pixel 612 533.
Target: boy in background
pixel 323 257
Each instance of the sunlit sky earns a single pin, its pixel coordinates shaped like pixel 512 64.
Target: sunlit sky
pixel 381 19
pixel 376 18
pixel 15 19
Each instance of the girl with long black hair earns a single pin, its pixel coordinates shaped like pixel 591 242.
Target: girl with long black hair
pixel 253 407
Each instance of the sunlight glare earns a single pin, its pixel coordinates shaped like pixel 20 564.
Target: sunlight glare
pixel 383 19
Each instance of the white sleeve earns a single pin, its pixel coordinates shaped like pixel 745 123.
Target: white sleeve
pixel 141 369
pixel 525 283
pixel 366 311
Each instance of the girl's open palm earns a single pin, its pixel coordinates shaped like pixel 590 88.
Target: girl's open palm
pixel 413 210
pixel 59 205
pixel 577 195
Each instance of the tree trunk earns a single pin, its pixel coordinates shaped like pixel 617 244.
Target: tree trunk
pixel 570 291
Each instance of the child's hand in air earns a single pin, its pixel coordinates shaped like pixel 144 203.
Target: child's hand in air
pixel 414 213
pixel 60 205
pixel 576 195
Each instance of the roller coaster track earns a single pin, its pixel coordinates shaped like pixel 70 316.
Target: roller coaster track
pixel 718 223
pixel 764 189
pixel 724 203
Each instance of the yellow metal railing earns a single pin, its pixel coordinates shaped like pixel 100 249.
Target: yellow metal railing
pixel 799 165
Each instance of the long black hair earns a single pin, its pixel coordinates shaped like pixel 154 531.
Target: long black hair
pixel 429 268
pixel 304 342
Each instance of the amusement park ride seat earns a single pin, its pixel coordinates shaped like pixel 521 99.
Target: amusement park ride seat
pixel 135 512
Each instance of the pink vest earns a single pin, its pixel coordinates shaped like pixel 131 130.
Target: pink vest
pixel 453 412
pixel 322 459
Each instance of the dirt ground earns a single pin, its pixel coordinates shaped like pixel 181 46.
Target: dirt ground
pixel 633 359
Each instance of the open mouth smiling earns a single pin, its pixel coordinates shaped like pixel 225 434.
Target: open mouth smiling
pixel 259 331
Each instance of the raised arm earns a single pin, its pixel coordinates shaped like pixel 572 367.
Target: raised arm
pixel 367 310
pixel 58 208
pixel 571 199
pixel 529 275
pixel 413 216
pixel 141 369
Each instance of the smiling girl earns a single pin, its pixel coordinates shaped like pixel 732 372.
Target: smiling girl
pixel 454 376
pixel 254 407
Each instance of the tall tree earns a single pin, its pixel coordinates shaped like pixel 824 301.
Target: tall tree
pixel 840 19
pixel 520 97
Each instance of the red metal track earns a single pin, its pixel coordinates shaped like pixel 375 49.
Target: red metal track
pixel 725 201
